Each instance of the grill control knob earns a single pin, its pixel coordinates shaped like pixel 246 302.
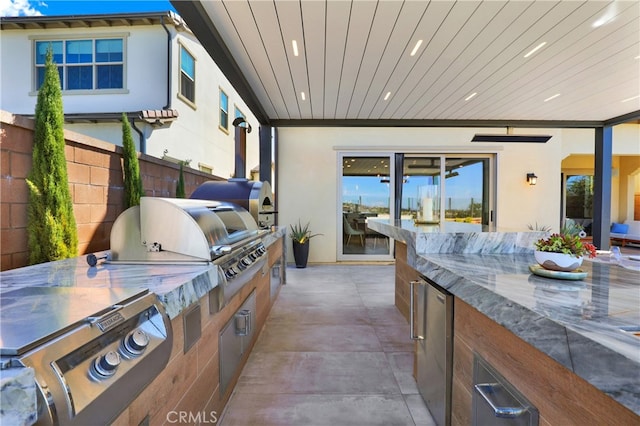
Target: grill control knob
pixel 105 365
pixel 246 261
pixel 135 342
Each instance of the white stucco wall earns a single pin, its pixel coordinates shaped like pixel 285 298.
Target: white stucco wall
pixel 308 173
pixel 626 140
pixel 193 136
pixel 145 74
pixel 196 133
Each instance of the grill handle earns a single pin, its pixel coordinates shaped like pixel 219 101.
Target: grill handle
pixel 243 323
pixel 412 285
pixel 487 390
pixel 220 250
pixel 92 258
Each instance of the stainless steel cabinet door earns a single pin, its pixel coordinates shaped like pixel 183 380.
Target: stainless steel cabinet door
pixel 434 356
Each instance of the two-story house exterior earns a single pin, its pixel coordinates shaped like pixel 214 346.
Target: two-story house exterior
pixel 147 65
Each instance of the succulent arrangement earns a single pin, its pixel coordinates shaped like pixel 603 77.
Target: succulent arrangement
pixel 566 243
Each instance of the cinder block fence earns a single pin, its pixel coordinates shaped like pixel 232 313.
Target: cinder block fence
pixel 95 180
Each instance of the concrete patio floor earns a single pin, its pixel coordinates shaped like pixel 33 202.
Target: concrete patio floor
pixel 334 351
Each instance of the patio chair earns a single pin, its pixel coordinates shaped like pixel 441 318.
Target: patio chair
pixel 349 231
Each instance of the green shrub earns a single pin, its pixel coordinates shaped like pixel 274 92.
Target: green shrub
pixel 180 193
pixel 51 224
pixel 132 179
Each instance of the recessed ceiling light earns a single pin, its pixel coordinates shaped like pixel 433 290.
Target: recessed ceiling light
pixel 535 49
pixel 416 47
pixel 295 47
pixel 552 97
pixel 470 96
pixel 607 17
pixel 387 96
pixel 630 99
pixel 303 96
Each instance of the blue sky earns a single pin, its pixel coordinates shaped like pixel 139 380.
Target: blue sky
pixel 80 7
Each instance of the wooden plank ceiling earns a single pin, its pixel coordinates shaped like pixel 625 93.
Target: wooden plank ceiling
pixel 471 64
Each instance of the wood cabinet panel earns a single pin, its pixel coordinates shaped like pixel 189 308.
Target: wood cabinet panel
pixel 164 393
pixel 462 385
pixel 561 397
pixel 263 297
pixel 190 382
pixel 404 275
pixel 275 252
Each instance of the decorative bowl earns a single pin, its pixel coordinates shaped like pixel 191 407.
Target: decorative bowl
pixel 557 261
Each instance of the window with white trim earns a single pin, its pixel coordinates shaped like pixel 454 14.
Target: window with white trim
pixel 83 64
pixel 224 111
pixel 187 75
pixel 240 114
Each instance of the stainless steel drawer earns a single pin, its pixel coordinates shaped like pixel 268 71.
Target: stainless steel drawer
pixel 235 339
pixel 496 402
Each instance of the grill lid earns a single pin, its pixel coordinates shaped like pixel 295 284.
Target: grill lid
pixel 179 230
pixel 30 316
pixel 256 197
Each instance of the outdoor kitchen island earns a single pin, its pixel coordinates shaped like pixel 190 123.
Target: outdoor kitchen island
pixel 560 343
pixel 187 389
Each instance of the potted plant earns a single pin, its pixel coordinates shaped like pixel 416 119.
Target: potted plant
pixel 562 251
pixel 300 236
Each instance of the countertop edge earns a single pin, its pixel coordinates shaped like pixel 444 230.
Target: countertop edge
pixel 608 377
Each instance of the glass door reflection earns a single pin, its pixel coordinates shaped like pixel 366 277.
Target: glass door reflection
pixel 466 193
pixel 421 190
pixel 440 189
pixel 366 194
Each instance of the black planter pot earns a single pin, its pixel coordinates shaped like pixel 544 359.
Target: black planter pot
pixel 301 253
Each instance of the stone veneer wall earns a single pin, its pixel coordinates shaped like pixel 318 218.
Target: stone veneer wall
pixel 95 179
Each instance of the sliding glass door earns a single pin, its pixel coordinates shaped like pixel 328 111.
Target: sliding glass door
pixel 437 189
pixel 365 187
pixel 445 188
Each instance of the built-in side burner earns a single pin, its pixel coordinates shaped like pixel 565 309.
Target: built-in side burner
pixel 93 350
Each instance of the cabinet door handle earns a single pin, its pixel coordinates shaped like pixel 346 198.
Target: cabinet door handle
pixel 413 336
pixel 487 390
pixel 243 322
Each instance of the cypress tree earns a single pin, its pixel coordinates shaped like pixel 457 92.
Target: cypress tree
pixel 180 193
pixel 132 178
pixel 51 224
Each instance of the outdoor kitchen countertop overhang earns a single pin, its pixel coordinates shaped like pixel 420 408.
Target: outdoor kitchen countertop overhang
pixel 176 286
pixel 577 323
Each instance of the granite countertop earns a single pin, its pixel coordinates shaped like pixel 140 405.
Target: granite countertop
pixel 577 323
pixel 176 286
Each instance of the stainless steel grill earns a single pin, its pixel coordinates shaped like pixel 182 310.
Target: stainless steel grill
pixel 167 230
pixel 93 350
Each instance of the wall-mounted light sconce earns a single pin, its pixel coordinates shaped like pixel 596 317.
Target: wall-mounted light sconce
pixel 532 179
